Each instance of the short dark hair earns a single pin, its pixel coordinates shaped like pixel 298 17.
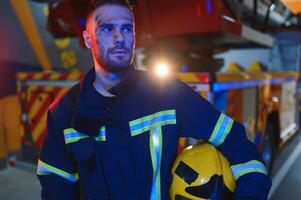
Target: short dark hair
pixel 94 4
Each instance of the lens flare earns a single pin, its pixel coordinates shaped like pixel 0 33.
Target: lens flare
pixel 162 69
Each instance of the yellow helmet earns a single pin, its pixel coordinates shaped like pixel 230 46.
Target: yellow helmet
pixel 201 172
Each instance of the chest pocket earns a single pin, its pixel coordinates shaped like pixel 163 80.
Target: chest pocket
pixel 84 150
pixel 83 146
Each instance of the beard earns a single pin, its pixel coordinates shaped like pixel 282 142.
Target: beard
pixel 114 63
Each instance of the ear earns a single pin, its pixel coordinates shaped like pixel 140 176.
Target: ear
pixel 87 39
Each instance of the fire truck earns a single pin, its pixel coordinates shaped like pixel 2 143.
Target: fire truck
pixel 187 35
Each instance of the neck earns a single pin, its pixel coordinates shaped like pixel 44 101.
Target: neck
pixel 105 80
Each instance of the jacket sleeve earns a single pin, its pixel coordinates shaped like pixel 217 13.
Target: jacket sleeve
pixel 56 170
pixel 198 119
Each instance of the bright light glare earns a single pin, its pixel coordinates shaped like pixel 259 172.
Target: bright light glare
pixel 272 7
pixel 162 69
pixel 275 99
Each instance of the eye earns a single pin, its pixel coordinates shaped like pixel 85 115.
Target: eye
pixel 127 29
pixel 106 28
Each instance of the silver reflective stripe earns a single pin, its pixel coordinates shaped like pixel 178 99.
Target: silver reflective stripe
pixel 221 130
pixel 156 153
pixel 253 166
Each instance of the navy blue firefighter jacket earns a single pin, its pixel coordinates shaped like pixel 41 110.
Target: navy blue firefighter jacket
pixel 123 147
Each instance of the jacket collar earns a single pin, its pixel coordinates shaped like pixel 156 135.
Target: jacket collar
pixel 90 112
pixel 88 95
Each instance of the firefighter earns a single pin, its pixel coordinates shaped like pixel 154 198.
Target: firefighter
pixel 115 134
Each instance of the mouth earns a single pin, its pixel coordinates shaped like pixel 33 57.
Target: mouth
pixel 119 52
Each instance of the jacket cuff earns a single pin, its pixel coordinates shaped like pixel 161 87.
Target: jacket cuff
pixel 254 186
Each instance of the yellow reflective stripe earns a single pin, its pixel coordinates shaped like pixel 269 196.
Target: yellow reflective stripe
pixel 71 140
pixel 248 167
pixel 46 169
pixel 69 130
pixel 102 134
pixel 100 138
pixel 221 130
pixel 41 173
pixel 147 128
pixel 157 114
pixel 71 135
pixel 144 124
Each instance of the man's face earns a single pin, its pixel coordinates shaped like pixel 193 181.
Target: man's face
pixel 111 37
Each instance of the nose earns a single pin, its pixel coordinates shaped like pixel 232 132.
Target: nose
pixel 119 38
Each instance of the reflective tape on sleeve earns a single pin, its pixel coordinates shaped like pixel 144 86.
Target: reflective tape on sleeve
pixel 46 169
pixel 221 130
pixel 248 167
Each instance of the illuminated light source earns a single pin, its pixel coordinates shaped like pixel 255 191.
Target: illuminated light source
pixel 162 69
pixel 272 7
pixel 24 117
pixel 275 99
pixel 229 18
pixel 184 68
